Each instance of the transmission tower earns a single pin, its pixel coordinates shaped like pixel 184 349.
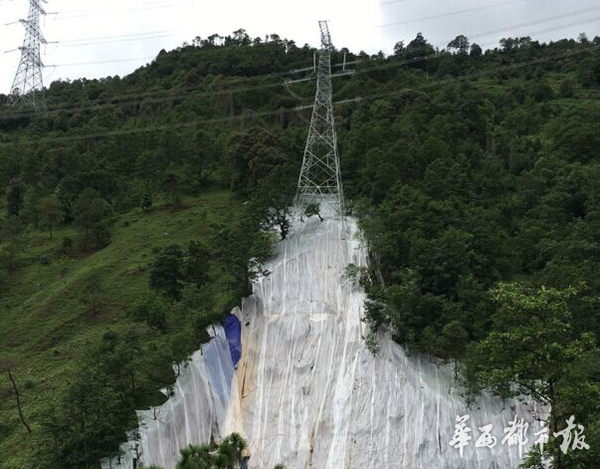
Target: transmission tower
pixel 28 84
pixel 320 179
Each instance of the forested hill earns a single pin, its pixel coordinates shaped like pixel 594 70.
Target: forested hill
pixel 135 208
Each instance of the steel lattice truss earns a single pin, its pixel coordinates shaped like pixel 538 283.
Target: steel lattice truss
pixel 320 180
pixel 28 84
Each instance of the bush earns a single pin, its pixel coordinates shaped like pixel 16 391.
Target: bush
pixel 90 213
pixel 566 88
pixel 3 279
pixel 66 245
pixel 152 310
pixel 29 384
pixel 174 268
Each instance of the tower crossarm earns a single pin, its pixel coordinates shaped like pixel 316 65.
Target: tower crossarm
pixel 326 43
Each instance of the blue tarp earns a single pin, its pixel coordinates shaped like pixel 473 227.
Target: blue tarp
pixel 233 332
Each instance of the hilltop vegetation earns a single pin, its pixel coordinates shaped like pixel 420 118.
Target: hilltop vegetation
pixel 135 208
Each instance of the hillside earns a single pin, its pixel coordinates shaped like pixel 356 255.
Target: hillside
pixel 474 176
pixel 48 317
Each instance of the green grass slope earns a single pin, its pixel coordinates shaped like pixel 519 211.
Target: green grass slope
pixel 45 319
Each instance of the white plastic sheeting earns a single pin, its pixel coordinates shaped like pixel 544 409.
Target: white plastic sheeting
pixel 308 394
pixel 195 412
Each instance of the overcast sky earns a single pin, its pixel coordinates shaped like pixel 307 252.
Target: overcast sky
pixel 97 38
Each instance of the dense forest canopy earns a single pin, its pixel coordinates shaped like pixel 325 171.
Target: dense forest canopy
pixel 475 176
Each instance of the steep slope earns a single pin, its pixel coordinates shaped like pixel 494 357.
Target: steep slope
pixel 308 393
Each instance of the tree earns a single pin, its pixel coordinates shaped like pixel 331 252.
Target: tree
pixel 241 37
pixel 32 211
pixel 94 291
pixel 272 199
pixel 399 48
pixel 166 272
pixel 534 351
pixel 174 268
pixel 541 91
pixel 91 415
pixel 228 455
pixel 51 213
pixel 454 341
pixel 242 248
pixel 200 146
pixel 15 195
pixel 196 263
pixel 3 279
pixel 173 187
pixel 12 235
pixel 152 310
pixel 566 88
pixel 460 44
pixel 476 50
pixel 6 366
pixel 147 201
pixel 280 217
pixel 89 421
pixel 90 213
pixel 147 167
pixel 574 134
pixel 313 209
pixel 252 155
pixel 418 49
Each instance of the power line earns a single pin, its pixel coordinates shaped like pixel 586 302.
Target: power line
pixel 120 41
pixel 161 35
pixel 493 71
pixel 389 2
pixel 452 13
pixel 97 38
pixel 128 98
pixel 376 26
pixel 184 92
pixel 144 129
pixel 107 5
pixel 241 80
pixel 251 115
pixel 437 55
pixel 103 12
pixel 108 40
pixel 544 20
pixel 98 62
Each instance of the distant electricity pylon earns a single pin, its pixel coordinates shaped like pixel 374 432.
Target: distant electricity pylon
pixel 28 84
pixel 320 178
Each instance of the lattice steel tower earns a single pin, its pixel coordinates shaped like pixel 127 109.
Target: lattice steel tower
pixel 28 84
pixel 320 179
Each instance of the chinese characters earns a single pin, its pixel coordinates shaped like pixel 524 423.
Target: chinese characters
pixel 516 435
